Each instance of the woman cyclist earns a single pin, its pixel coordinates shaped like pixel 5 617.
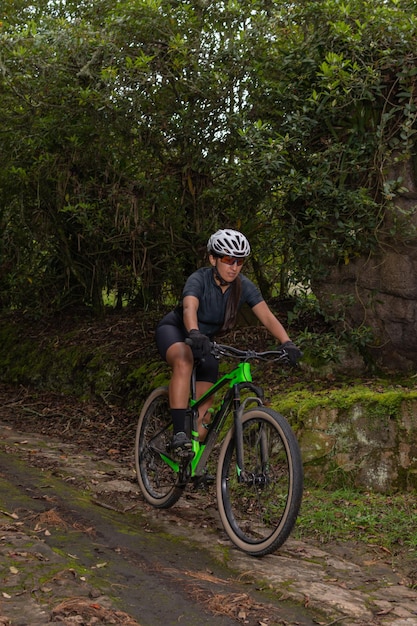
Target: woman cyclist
pixel 211 299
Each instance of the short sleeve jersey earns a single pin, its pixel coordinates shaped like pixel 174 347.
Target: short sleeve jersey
pixel 212 301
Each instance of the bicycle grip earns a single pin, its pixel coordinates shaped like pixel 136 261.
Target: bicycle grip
pixel 189 342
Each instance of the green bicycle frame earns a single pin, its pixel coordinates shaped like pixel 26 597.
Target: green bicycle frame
pixel 240 375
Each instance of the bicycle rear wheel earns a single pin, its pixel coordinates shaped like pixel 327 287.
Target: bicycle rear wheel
pixel 155 471
pixel 259 507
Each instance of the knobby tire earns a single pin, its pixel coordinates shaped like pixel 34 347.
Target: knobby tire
pixel 259 510
pixel 157 480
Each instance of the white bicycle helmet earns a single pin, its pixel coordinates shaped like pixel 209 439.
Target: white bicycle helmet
pixel 228 242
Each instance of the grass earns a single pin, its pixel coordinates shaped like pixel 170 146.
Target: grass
pixel 367 518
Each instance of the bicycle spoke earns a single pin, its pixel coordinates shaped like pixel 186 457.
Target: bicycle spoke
pixel 259 506
pixel 157 478
pixel 260 499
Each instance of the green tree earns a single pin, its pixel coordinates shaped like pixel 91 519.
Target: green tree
pixel 334 106
pixel 130 130
pixel 118 117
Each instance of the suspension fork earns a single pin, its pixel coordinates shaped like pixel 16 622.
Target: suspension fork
pixel 238 409
pixel 237 417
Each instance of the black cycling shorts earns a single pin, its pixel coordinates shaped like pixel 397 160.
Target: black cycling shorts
pixel 171 330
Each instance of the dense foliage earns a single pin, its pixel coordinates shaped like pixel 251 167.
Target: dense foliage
pixel 131 129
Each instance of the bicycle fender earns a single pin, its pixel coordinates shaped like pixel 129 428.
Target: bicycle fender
pixel 246 401
pixel 258 391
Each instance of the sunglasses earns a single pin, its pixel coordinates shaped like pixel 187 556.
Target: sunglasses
pixel 231 260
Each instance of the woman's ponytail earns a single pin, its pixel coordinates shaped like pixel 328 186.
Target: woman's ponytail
pixel 232 306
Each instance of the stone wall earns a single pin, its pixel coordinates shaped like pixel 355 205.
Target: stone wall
pixel 383 286
pixel 370 444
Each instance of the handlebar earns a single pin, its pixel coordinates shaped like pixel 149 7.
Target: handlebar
pixel 221 350
pixel 218 350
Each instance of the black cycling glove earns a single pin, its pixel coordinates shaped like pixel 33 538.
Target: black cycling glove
pixel 293 353
pixel 200 344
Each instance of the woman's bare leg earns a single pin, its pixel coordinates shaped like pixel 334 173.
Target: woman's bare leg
pixel 180 358
pixel 203 415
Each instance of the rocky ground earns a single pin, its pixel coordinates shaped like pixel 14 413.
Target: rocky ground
pixel 338 583
pixel 87 445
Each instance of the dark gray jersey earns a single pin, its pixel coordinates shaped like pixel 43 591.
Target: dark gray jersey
pixel 212 301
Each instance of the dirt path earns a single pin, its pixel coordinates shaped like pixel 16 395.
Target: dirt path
pixel 80 546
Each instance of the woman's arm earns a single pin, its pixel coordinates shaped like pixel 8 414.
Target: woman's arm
pixel 190 308
pixel 271 323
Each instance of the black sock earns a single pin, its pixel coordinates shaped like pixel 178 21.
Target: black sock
pixel 178 420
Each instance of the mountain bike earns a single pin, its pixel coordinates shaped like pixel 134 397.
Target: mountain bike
pixel 259 479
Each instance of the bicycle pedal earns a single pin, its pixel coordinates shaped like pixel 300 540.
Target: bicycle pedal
pixel 184 453
pixel 204 481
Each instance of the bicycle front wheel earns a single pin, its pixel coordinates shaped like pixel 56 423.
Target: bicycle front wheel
pixel 155 471
pixel 259 506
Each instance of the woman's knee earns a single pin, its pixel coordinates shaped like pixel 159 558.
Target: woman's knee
pixel 180 357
